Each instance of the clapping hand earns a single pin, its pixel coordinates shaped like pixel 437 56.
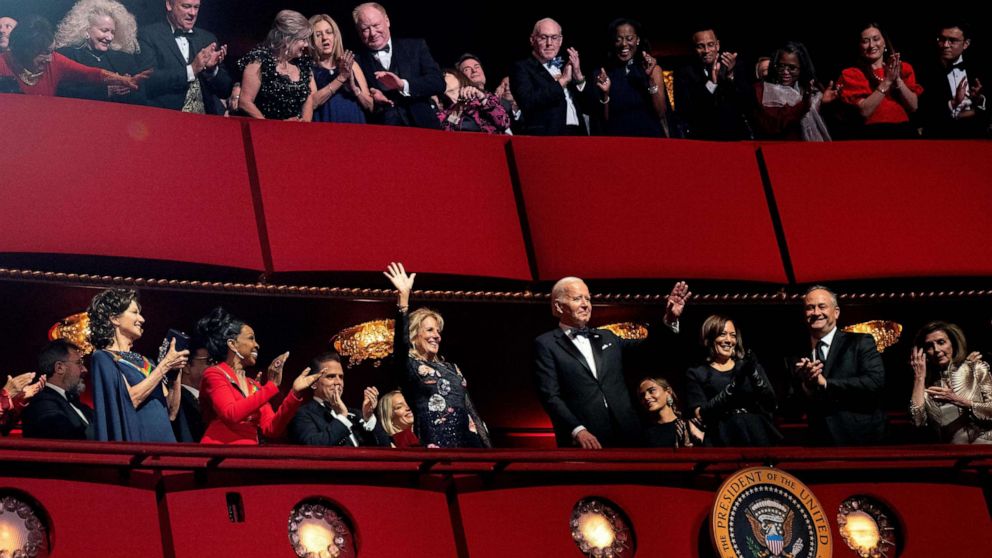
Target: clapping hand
pixel 648 62
pixel 369 400
pixel 305 380
pixel 345 66
pixel 20 384
pixel 573 61
pixel 275 369
pixel 603 83
pixel 389 80
pixel 379 98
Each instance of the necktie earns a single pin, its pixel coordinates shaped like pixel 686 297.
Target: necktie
pixel 555 62
pixel 958 66
pixel 180 33
pixel 384 49
pixel 820 354
pixel 580 331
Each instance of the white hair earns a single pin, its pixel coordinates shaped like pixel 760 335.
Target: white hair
pixel 74 26
pixel 558 291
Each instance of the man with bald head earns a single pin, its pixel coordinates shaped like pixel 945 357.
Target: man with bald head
pixel 548 88
pixel 579 371
pixel 401 73
pixel 842 377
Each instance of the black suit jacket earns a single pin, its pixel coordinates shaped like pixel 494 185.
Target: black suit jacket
pixel 934 113
pixel 314 425
pixel 167 86
pixel 849 411
pixel 542 100
pixel 49 415
pixel 188 426
pixel 572 396
pixel 702 115
pixel 412 61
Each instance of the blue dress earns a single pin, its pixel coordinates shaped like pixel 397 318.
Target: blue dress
pixel 343 107
pixel 115 416
pixel 443 414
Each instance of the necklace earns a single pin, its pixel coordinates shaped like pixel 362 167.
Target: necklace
pixel 29 77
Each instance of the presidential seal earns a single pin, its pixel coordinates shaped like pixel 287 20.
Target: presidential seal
pixel 763 512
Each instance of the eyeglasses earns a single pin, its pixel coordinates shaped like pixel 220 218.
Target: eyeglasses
pixel 791 68
pixel 548 38
pixel 78 362
pixel 949 40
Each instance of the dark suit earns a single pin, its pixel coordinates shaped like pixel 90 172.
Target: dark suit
pixel 934 113
pixel 572 396
pixel 702 115
pixel 188 425
pixel 50 416
pixel 410 60
pixel 315 425
pixel 168 83
pixel 849 411
pixel 542 99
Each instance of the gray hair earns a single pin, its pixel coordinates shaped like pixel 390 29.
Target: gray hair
pixel 559 290
pixel 358 9
pixel 286 28
pixel 545 20
pixel 833 295
pixel 74 26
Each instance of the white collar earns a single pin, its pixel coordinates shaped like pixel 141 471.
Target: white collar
pixel 827 339
pixel 193 390
pixel 58 390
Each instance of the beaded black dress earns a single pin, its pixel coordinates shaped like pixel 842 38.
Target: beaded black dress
pixel 279 97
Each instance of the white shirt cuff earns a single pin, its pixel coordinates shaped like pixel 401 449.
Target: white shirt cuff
pixel 578 429
pixel 344 420
pixel 406 89
pixel 369 425
pixel 190 76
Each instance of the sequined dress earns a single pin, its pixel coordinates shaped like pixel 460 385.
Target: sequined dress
pixel 279 97
pixel 438 395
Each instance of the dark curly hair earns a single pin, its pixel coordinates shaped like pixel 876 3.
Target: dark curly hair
pixel 30 38
pixel 104 306
pixel 216 329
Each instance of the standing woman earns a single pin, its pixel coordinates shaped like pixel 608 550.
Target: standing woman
pixel 101 34
pixel 666 428
pixel 789 98
pixel 881 88
pixel 730 393
pixel 342 93
pixel 952 392
pixel 132 399
pixel 277 78
pixel 235 407
pixel 443 412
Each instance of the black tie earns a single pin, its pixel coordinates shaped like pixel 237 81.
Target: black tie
pixel 958 66
pixel 820 356
pixel 180 33
pixel 581 331
pixel 384 49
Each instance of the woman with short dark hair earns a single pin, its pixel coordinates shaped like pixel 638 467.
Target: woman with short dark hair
pixel 789 98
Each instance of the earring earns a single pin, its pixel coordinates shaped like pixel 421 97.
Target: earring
pixel 670 401
pixel 86 36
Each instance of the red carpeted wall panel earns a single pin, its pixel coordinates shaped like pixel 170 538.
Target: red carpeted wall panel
pixel 104 179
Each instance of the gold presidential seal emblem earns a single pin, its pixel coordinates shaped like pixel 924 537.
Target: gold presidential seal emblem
pixel 762 512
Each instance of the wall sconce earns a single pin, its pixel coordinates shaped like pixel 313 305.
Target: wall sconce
pixel 627 330
pixel 74 329
pixel 23 527
pixel 868 527
pixel 369 340
pixel 600 529
pixel 317 528
pixel 885 333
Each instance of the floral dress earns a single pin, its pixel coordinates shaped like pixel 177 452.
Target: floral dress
pixel 279 97
pixel 443 413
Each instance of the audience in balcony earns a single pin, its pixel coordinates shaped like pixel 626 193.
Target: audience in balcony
pixel 712 94
pixel 730 393
pixel 444 415
pixel 325 420
pixel 402 74
pixel 342 93
pixel 665 428
pixel 632 94
pixel 187 62
pixel 56 412
pixel 277 76
pixel 550 89
pixel 954 104
pixel 16 394
pixel 840 376
pixel 132 396
pixel 235 407
pixel 466 108
pixel 396 419
pixel 952 391
pixel 788 100
pixel 36 70
pixel 187 421
pixel 470 66
pixel 880 89
pixel 101 34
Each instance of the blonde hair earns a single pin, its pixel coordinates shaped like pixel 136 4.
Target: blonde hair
pixel 338 45
pixel 416 318
pixel 287 27
pixel 74 26
pixel 384 412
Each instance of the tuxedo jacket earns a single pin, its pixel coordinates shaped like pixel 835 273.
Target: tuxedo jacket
pixel 542 100
pixel 167 85
pixel 188 425
pixel 718 116
pixel 49 415
pixel 934 113
pixel 412 61
pixel 849 411
pixel 314 425
pixel 572 396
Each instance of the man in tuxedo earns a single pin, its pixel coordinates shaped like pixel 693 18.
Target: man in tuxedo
pixel 548 89
pixel 841 376
pixel 402 74
pixel 953 104
pixel 579 371
pixel 56 411
pixel 327 421
pixel 711 95
pixel 188 424
pixel 188 73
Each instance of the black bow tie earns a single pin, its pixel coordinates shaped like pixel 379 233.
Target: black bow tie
pixel 958 66
pixel 580 331
pixel 181 33
pixel 384 49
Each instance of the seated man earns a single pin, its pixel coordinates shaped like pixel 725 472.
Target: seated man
pixel 56 411
pixel 327 421
pixel 469 65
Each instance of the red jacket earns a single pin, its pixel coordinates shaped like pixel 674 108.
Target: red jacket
pixel 232 418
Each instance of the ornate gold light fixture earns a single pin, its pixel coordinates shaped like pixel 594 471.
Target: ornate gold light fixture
pixel 628 330
pixel 317 528
pixel 886 333
pixel 867 527
pixel 74 329
pixel 369 340
pixel 600 529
